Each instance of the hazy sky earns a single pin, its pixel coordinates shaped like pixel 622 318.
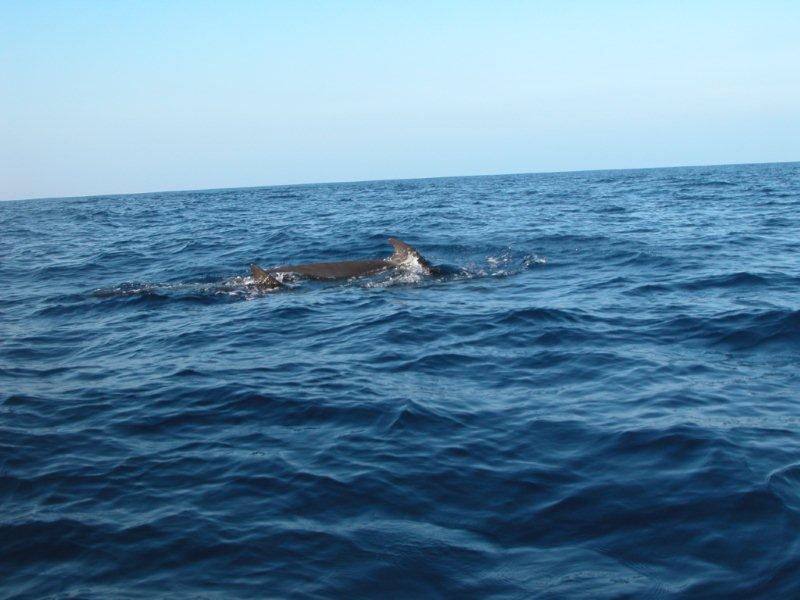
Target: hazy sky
pixel 111 97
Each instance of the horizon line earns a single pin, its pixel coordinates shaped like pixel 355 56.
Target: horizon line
pixel 351 181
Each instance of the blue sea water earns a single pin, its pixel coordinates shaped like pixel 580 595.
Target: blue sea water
pixel 599 397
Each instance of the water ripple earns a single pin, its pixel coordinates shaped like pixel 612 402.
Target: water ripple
pixel 594 397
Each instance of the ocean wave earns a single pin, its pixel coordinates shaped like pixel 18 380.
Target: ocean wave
pixel 739 330
pixel 594 396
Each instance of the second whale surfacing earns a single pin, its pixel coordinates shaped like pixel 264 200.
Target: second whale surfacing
pixel 404 256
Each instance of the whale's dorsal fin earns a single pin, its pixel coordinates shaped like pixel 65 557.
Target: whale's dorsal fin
pixel 403 253
pixel 264 279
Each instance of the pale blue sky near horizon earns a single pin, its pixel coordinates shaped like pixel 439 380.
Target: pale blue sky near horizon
pixel 123 97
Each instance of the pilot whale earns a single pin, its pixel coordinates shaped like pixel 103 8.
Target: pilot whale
pixel 404 256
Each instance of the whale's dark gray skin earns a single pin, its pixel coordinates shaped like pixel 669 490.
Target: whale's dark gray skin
pixel 404 255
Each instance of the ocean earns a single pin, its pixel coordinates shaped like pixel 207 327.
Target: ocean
pixel 597 397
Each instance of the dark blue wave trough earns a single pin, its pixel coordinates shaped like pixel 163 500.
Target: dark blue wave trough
pixel 598 397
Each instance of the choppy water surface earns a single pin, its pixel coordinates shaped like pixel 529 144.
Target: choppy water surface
pixel 598 398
